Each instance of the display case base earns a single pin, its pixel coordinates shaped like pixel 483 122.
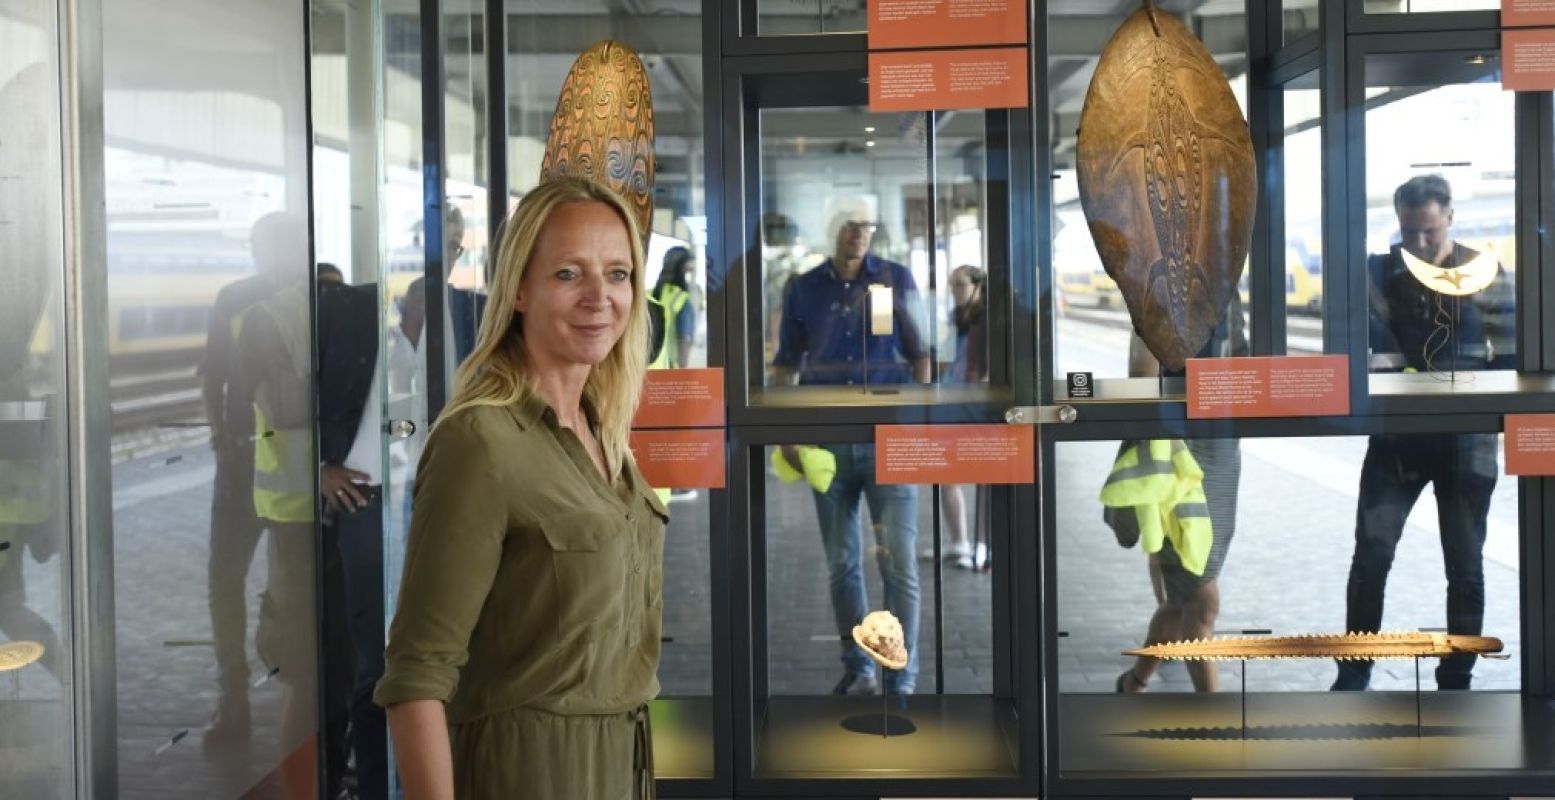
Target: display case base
pixel 682 737
pixel 1303 733
pixel 957 737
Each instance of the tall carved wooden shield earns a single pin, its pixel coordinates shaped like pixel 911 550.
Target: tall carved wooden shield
pixel 1167 181
pixel 603 127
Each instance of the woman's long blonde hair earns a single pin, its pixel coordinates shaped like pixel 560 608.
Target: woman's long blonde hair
pixel 495 373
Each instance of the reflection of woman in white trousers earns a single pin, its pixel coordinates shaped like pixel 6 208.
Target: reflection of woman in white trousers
pixel 969 366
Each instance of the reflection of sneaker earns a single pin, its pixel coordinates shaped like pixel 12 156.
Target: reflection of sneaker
pixel 962 562
pixel 682 495
pixel 854 684
pixel 954 553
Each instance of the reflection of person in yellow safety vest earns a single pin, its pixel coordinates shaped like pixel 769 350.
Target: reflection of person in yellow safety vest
pixel 672 315
pixel 673 312
pixel 276 371
pixel 234 529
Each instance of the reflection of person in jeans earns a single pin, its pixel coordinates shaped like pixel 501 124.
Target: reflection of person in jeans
pixel 825 339
pixel 1428 331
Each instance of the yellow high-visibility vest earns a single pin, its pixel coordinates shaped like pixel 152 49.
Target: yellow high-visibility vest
pixel 669 306
pixel 1162 482
pixel 24 500
pixel 284 464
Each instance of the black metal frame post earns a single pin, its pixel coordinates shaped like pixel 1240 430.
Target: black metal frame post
pixel 434 159
pixel 496 44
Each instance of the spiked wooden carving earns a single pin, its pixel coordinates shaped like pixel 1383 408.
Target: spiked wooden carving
pixel 603 127
pixel 1368 646
pixel 1167 181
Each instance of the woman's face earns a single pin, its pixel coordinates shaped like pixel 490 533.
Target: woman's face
pixel 962 290
pixel 576 293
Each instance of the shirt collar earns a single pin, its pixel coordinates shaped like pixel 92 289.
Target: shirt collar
pixel 533 408
pixel 871 268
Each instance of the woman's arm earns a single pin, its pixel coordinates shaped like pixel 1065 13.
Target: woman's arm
pixel 419 729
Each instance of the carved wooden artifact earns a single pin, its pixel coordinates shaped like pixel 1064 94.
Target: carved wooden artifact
pixel 1167 181
pixel 1345 646
pixel 603 127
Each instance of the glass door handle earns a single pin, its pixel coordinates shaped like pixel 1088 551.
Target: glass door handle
pixel 400 428
pixel 1041 415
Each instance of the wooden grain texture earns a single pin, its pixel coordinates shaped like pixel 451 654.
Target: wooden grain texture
pixel 1343 646
pixel 603 127
pixel 1167 180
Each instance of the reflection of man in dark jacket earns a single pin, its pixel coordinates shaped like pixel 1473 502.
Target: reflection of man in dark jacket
pixel 1416 326
pixel 351 482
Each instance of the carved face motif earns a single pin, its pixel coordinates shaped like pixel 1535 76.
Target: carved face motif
pixel 1167 182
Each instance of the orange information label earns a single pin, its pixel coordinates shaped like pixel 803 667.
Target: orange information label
pixel 928 80
pixel 1530 444
pixel 1268 386
pixel 898 24
pixel 681 398
pixel 1526 13
pixel 1528 60
pixel 688 459
pixel 983 454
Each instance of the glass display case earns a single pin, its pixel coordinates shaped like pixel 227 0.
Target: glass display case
pixel 834 547
pixel 1092 327
pixel 1306 535
pixel 1441 234
pixel 875 255
pixel 810 17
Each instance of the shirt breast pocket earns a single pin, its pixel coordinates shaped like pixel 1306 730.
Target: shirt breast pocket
pixel 588 552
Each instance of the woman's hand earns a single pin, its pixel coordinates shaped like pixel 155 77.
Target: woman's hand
pixel 419 730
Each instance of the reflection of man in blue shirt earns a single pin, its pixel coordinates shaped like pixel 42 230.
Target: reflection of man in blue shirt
pixel 824 339
pixel 824 334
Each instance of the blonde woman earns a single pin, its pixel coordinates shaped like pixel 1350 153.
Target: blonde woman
pixel 527 636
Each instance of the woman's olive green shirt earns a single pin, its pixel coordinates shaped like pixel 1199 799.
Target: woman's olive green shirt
pixel 531 588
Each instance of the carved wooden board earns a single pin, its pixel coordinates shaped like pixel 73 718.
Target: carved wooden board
pixel 603 127
pixel 1167 182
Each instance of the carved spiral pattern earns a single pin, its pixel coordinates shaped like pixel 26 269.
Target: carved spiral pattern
pixel 603 127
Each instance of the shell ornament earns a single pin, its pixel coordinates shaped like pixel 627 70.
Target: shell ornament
pixel 1167 180
pixel 603 127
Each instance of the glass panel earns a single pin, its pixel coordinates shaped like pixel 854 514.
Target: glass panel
pixel 840 185
pixel 875 552
pixel 1447 199
pixel 1429 6
pixel 541 52
pixel 1300 17
pixel 798 17
pixel 1093 331
pixel 1371 551
pixel 959 317
pixel 36 708
pixel 209 296
pixel 465 229
pixel 1301 156
pixel 371 380
pixel 683 714
pixel 668 38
